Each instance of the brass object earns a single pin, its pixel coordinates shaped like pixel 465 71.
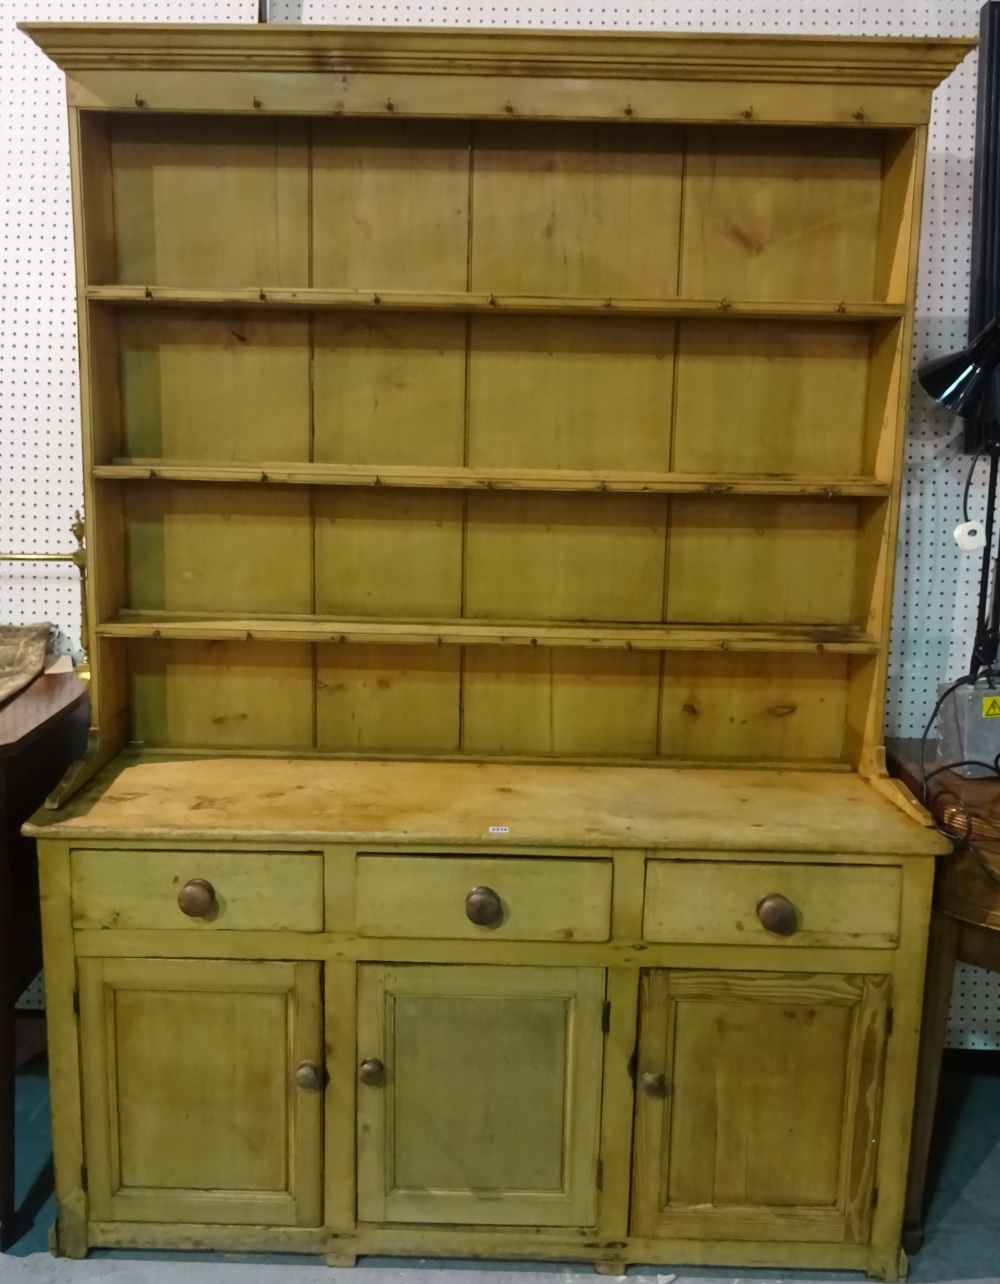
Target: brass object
pixel 654 1085
pixel 79 559
pixel 371 1072
pixel 484 907
pixel 965 824
pixel 777 914
pixel 37 557
pixel 196 898
pixel 308 1075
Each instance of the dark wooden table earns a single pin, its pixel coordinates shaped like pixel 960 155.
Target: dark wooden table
pixel 965 928
pixel 42 729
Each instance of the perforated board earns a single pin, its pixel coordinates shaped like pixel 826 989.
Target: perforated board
pixel 39 453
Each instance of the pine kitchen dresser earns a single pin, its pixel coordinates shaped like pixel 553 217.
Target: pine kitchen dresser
pixel 492 458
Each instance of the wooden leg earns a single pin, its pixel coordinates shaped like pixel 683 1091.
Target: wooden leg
pixel 937 1000
pixel 889 1267
pixel 341 1250
pixel 7 1215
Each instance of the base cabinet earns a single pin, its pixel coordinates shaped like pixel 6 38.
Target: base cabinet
pixel 479 1092
pixel 757 1114
pixel 479 1098
pixel 193 1110
pixel 520 1090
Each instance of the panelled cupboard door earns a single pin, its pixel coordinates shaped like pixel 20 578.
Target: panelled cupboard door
pixel 483 1103
pixel 192 1112
pixel 758 1105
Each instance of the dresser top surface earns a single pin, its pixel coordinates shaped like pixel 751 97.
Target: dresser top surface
pixel 512 806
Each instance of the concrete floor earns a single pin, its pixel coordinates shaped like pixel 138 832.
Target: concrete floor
pixel 963 1228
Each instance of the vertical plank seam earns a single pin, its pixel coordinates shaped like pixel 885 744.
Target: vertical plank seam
pixel 665 1141
pixel 879 224
pixel 116 253
pixel 684 135
pixel 466 433
pixel 658 749
pixel 311 394
pixel 292 1157
pixel 109 996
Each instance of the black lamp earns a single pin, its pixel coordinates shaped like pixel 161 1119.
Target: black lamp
pixel 964 384
pixel 961 381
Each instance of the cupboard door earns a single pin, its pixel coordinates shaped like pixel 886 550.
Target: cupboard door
pixel 192 1112
pixel 758 1104
pixel 484 1105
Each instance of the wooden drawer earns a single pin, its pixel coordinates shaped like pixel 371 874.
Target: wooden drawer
pixel 717 902
pixel 253 891
pixel 539 900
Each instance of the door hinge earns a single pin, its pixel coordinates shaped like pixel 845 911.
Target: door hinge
pixel 83 1178
pixel 606 1017
pixel 874 1197
pixel 890 1020
pixel 76 1002
pixel 600 1174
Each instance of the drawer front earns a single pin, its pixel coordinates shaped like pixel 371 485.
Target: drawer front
pixel 247 891
pixel 717 903
pixel 517 899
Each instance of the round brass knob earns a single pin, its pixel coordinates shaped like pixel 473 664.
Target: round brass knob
pixel 484 907
pixel 654 1085
pixel 309 1076
pixel 777 914
pixel 372 1072
pixel 196 898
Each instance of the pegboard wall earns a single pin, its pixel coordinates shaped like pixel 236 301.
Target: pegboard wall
pixel 40 483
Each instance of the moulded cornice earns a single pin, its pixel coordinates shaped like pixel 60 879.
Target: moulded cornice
pixel 587 55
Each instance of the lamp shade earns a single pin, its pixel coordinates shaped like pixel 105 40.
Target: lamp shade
pixel 960 381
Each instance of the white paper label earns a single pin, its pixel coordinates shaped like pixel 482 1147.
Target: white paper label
pixel 499 829
pixel 970 535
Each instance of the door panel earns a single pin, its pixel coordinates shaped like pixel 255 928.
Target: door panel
pixel 759 1099
pixel 489 1110
pixel 191 1109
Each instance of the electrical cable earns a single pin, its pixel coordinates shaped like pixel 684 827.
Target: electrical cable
pixel 964 839
pixel 963 681
pixel 968 480
pixel 946 829
pixel 992 768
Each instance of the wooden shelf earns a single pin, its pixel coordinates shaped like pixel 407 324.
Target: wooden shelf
pixel 444 301
pixel 645 637
pixel 532 479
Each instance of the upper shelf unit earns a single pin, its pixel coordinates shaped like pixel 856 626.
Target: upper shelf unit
pixel 458 212
pixel 492 392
